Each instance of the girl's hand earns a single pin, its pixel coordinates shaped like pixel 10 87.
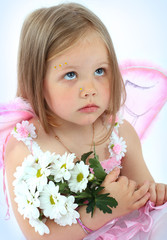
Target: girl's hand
pixel 124 191
pixel 158 193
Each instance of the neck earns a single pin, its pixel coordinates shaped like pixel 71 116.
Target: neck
pixel 83 135
pixel 74 132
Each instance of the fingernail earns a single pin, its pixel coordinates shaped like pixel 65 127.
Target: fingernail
pixel 116 169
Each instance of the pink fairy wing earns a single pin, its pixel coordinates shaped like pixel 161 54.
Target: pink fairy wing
pixel 146 89
pixel 10 114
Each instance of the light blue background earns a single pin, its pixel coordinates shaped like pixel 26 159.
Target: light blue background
pixel 139 32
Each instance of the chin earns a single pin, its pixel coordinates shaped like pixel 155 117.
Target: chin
pixel 87 121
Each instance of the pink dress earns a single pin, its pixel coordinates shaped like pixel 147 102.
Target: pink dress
pixel 148 222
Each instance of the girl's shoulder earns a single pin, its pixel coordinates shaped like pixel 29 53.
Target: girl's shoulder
pixel 128 132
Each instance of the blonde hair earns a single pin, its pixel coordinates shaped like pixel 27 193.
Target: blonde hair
pixel 48 32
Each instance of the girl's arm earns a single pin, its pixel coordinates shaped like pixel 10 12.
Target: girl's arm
pixel 123 190
pixel 134 166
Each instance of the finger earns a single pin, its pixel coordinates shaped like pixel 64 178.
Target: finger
pixel 124 181
pixel 112 176
pixel 165 193
pixel 138 194
pixel 142 201
pixel 160 190
pixel 132 185
pixel 152 191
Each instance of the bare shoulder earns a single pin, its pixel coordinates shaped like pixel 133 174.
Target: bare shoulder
pixel 15 153
pixel 134 166
pixel 128 132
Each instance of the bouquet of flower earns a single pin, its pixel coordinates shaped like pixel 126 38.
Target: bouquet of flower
pixel 53 186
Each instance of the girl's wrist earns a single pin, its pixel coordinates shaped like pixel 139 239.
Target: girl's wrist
pixel 98 220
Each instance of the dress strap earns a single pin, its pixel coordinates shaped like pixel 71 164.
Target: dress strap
pixel 4 183
pixel 33 147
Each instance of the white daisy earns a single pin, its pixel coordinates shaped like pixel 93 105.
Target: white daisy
pixel 117 146
pixel 51 202
pixel 62 166
pixel 70 217
pixel 39 226
pixel 79 177
pixel 28 203
pixel 36 176
pixel 24 170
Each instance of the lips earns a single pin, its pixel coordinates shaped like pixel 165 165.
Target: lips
pixel 89 108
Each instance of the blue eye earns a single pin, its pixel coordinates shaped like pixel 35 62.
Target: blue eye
pixel 99 72
pixel 70 76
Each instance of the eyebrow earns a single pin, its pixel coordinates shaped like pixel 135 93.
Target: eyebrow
pixel 67 66
pixel 100 63
pixel 77 66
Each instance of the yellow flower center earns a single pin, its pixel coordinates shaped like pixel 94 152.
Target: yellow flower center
pixel 112 146
pixel 52 200
pixel 63 166
pixel 29 202
pixel 39 174
pixel 36 160
pixel 79 177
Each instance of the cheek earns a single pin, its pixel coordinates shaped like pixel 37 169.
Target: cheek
pixel 106 93
pixel 64 99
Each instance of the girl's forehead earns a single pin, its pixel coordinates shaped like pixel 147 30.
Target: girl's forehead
pixel 90 46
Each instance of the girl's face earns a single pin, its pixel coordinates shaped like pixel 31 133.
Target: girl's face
pixel 76 85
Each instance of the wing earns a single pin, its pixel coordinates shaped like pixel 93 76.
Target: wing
pixel 10 114
pixel 146 88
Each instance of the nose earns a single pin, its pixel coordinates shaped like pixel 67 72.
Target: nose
pixel 90 92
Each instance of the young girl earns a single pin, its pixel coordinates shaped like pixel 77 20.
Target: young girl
pixel 68 72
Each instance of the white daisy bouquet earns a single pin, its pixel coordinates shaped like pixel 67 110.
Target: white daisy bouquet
pixel 53 186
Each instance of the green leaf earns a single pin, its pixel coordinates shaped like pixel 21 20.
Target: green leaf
pixel 105 203
pixel 101 201
pixel 98 170
pixel 97 190
pixel 91 207
pixel 51 178
pixel 85 156
pixel 41 216
pixel 63 188
pixel 83 195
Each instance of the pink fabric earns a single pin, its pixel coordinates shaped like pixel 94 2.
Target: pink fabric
pixel 110 164
pixel 4 184
pixel 137 225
